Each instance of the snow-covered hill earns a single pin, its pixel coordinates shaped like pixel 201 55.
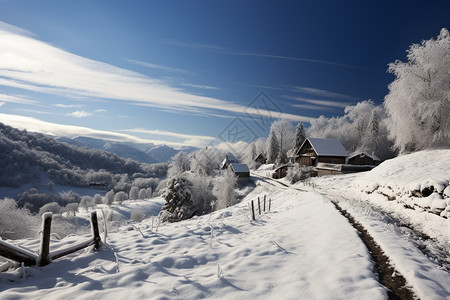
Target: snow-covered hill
pixel 302 249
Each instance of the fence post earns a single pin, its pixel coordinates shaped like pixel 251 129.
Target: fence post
pixel 259 206
pixel 270 202
pixel 253 211
pixel 45 239
pixel 95 231
pixel 264 203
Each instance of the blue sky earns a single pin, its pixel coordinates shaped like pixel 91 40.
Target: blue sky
pixel 191 72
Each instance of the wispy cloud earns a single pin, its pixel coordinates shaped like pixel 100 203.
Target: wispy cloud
pixel 30 64
pixel 2 103
pixel 158 67
pixel 324 93
pixel 100 111
pixel 199 86
pixel 17 99
pixel 68 105
pixel 79 114
pixel 313 107
pixel 317 102
pixel 171 134
pixel 36 125
pixel 229 51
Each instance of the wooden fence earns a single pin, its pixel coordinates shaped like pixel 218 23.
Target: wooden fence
pixel 44 257
pixel 260 203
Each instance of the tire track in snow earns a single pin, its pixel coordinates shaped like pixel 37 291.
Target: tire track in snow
pixel 394 282
pixel 387 275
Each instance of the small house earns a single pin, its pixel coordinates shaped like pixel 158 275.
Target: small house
pixel 363 159
pixel 229 158
pixel 315 150
pixel 260 159
pixel 281 171
pixel 241 170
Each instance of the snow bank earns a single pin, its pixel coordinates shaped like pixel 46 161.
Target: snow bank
pixel 419 180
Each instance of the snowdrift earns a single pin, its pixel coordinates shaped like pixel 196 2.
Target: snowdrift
pixel 419 180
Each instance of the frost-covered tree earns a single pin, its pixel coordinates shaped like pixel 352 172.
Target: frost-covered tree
pixel 179 164
pixel 272 147
pixel 52 207
pixel 120 197
pixel 109 198
pixel 418 103
pixel 15 222
pixel 371 138
pixel 250 155
pixel 71 208
pixel 142 194
pixel 98 199
pixel 206 161
pixel 178 196
pixel 284 132
pixel 86 202
pixel 300 135
pixel 224 190
pixel 134 193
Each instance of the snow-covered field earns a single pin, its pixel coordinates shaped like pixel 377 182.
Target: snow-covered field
pixel 303 249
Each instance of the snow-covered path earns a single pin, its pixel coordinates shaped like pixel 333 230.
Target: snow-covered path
pixel 302 249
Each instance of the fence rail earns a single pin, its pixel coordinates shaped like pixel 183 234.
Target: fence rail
pixel 44 257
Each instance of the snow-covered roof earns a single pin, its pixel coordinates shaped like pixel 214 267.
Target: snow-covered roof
pixel 229 158
pixel 327 147
pixel 239 168
pixel 366 154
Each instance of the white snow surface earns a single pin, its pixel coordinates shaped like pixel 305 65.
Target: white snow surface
pixel 302 249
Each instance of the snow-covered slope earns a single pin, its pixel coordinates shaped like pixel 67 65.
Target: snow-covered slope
pixel 303 249
pixel 419 180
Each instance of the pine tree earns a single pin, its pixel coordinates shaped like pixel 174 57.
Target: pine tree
pixel 300 135
pixel 272 147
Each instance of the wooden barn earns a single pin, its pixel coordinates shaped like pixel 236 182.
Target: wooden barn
pixel 363 159
pixel 315 150
pixel 281 171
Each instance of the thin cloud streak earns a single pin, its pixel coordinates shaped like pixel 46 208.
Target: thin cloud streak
pixel 327 103
pixel 171 134
pixel 30 64
pixel 16 99
pixel 157 67
pixel 324 93
pixel 229 51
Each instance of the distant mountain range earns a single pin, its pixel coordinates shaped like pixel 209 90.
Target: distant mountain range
pixel 146 153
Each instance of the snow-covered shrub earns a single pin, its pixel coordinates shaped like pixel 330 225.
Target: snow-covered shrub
pixel 52 207
pixel 137 215
pixel 98 199
pixel 178 196
pixel 120 197
pixel 297 173
pixel 71 209
pixel 16 223
pixel 224 190
pixel 134 193
pixel 109 198
pixel 86 202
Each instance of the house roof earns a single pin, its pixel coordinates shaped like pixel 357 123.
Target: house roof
pixel 239 168
pixel 362 154
pixel 229 158
pixel 327 147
